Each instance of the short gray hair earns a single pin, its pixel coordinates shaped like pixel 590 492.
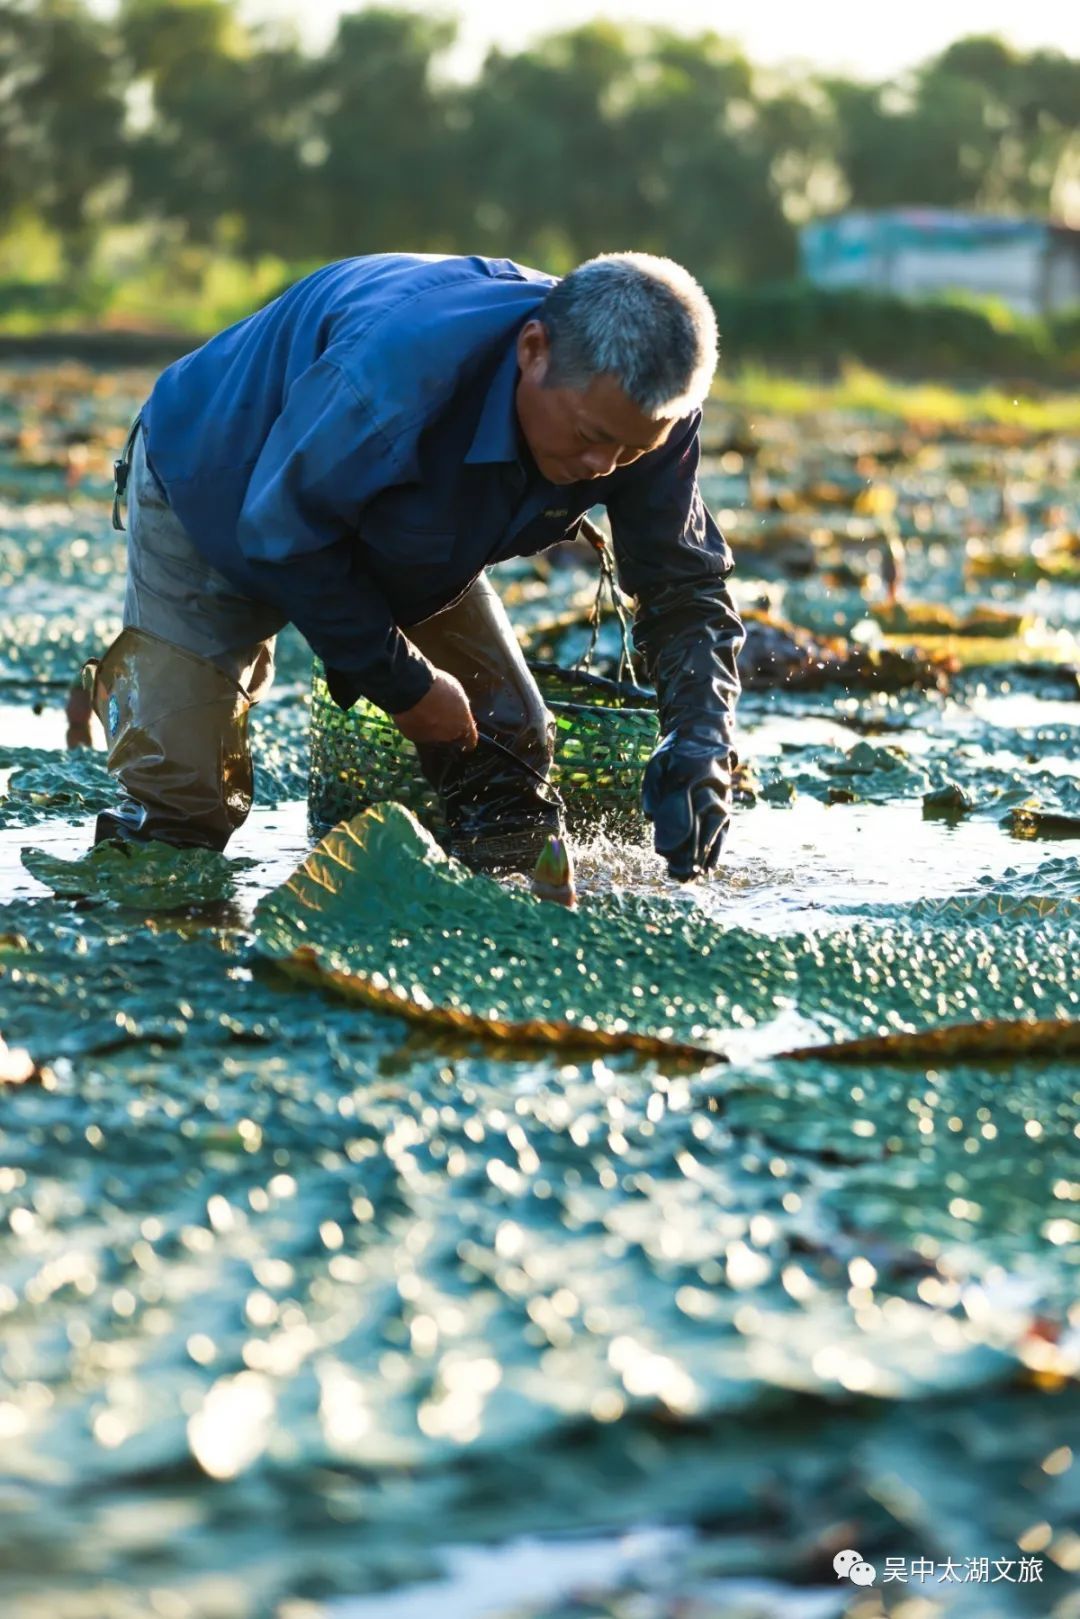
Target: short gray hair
pixel 641 319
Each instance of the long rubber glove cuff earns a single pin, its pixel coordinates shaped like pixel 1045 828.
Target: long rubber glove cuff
pixel 686 794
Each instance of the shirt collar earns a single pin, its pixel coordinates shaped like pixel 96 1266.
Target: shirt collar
pixel 496 436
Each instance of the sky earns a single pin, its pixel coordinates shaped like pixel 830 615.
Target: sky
pixel 863 37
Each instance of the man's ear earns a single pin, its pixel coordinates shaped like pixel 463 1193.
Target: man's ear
pixel 534 352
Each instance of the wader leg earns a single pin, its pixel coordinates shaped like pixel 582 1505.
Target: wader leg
pixel 177 735
pixel 174 690
pixel 497 813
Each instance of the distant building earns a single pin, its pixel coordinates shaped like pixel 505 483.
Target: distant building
pixel 1029 264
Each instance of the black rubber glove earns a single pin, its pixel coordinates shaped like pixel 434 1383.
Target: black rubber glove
pixel 672 557
pixel 686 794
pixel 692 635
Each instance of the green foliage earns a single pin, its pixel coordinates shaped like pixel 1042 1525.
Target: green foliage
pixel 981 123
pixel 395 1289
pixel 221 146
pixel 61 113
pixel 874 395
pixel 792 323
pixel 208 134
pixel 30 304
pixel 663 119
pixel 381 148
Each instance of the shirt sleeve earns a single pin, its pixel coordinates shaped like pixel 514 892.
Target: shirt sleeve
pixel 325 457
pixel 672 557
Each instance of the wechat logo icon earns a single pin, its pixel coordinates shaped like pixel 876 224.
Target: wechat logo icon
pixel 849 1565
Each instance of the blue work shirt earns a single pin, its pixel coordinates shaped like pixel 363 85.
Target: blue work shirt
pixel 351 455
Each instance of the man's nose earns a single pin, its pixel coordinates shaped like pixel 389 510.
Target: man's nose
pixel 600 459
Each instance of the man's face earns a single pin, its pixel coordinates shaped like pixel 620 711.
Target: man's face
pixel 575 434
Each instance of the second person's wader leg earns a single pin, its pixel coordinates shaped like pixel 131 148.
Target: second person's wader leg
pixel 498 813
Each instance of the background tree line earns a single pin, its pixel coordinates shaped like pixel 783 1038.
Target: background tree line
pixel 175 117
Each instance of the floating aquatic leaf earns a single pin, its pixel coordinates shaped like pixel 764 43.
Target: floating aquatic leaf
pixel 935 618
pixel 956 1042
pixel 948 802
pixel 1034 821
pixel 774 1297
pixel 47 783
pixel 147 876
pixel 379 912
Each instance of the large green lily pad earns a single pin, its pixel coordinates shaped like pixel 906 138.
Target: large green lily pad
pixel 380 913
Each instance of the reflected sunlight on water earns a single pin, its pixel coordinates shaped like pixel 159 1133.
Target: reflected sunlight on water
pixel 310 1313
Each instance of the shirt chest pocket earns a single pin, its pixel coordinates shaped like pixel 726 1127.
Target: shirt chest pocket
pixel 545 530
pixel 400 526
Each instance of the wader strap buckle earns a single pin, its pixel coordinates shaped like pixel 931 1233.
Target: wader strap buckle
pixel 121 472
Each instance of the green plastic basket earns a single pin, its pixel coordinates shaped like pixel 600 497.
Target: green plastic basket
pixel 604 736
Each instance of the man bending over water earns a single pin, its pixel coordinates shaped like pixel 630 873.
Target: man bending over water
pixel 351 459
